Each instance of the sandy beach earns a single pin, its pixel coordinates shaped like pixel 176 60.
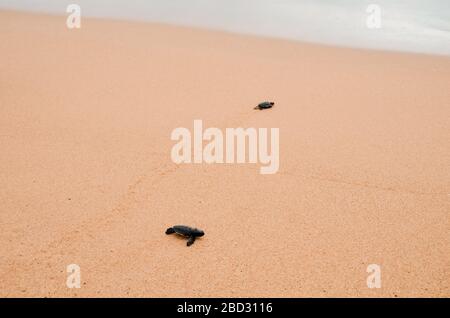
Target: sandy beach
pixel 86 175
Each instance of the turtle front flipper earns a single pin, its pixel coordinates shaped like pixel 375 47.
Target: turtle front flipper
pixel 170 230
pixel 191 240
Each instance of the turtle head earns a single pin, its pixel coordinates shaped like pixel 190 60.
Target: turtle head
pixel 272 103
pixel 198 232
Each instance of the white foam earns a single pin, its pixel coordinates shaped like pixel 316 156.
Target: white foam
pixel 407 25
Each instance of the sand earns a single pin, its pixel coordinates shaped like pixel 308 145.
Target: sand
pixel 86 176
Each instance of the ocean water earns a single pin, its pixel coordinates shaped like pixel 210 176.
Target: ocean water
pixel 406 25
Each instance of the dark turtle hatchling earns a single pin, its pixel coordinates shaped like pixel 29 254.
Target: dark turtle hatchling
pixel 264 105
pixel 186 231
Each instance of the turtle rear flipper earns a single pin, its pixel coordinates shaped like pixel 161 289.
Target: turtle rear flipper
pixel 170 230
pixel 191 240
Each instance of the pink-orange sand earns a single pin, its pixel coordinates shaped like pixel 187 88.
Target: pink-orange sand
pixel 86 176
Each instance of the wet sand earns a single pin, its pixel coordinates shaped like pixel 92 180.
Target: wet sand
pixel 86 175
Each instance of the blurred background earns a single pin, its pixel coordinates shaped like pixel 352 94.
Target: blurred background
pixel 406 25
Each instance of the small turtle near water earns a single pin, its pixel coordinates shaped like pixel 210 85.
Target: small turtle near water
pixel 264 105
pixel 186 231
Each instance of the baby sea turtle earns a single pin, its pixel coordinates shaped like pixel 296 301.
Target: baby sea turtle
pixel 191 233
pixel 264 105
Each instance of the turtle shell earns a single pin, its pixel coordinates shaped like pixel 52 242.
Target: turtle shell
pixel 187 231
pixel 265 105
